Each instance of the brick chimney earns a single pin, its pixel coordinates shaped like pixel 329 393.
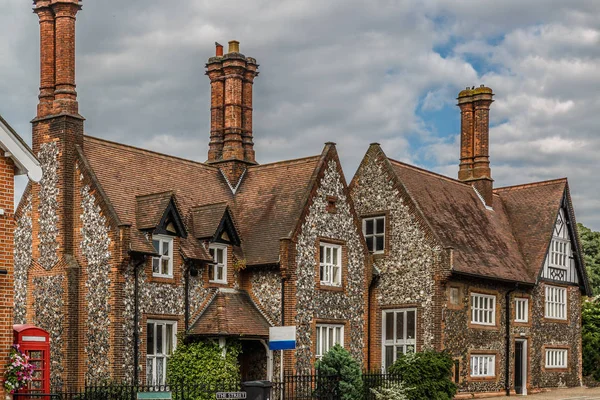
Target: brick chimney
pixel 474 166
pixel 231 78
pixel 57 132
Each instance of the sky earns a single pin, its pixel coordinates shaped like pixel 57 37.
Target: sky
pixel 351 72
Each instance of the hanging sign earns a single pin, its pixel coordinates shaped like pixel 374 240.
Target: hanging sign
pixel 282 338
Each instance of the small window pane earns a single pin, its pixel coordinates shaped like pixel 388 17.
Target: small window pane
pixel 370 240
pixel 410 325
pixel 165 248
pixel 389 326
pixel 319 341
pixel 321 254
pixel 169 339
pixel 389 356
pixel 399 326
pixel 220 256
pixel 150 339
pixel 165 266
pixel 380 225
pixel 379 242
pixel 369 227
pixel 156 244
pixel 156 265
pixel 335 255
pixel 159 339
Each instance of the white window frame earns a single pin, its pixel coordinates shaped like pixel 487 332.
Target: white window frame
pixel 163 240
pixel 218 266
pixel 555 302
pixel 482 365
pixel 521 309
pixel 556 358
pixel 331 333
pixel 560 250
pixel 396 343
pixel 375 234
pixel 330 271
pixel 481 314
pixel 156 356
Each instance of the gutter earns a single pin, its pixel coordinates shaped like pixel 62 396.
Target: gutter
pixel 507 355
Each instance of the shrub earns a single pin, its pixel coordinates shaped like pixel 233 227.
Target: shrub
pixel 202 363
pixel 396 391
pixel 338 361
pixel 590 316
pixel 427 374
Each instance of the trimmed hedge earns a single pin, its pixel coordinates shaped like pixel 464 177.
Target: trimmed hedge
pixel 427 374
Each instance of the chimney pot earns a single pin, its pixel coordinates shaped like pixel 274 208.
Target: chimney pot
pixel 234 46
pixel 219 49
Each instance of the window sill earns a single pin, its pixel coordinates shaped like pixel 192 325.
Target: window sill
pixel 483 378
pixel 162 279
pixel 331 288
pixel 556 320
pixel 474 325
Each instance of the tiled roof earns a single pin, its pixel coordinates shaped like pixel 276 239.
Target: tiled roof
pixel 532 210
pixel 231 312
pixel 482 240
pixel 266 207
pixel 150 209
pixel 206 219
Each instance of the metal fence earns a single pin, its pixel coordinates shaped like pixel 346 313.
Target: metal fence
pixel 312 386
pixel 179 391
pixel 317 386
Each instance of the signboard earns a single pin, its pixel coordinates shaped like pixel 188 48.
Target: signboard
pixel 154 395
pixel 282 338
pixel 231 395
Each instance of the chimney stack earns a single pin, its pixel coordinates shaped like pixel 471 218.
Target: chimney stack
pixel 474 167
pixel 231 79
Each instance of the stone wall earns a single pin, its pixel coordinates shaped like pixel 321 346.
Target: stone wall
pixel 94 246
pixel 48 304
pixel 266 289
pixel 406 268
pixel 311 303
pixel 22 261
pixel 48 205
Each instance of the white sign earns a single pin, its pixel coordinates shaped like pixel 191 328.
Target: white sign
pixel 34 339
pixel 282 338
pixel 231 395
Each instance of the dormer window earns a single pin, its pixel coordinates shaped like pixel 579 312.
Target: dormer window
pixel 374 231
pixel 162 266
pixel 218 271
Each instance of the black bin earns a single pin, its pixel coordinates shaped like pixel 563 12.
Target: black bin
pixel 257 390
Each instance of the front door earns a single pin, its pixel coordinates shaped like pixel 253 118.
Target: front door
pixel 521 367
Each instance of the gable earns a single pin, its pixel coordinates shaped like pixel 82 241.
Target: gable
pixel 562 263
pixel 158 212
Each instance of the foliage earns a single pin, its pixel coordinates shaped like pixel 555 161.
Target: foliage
pixel 338 361
pixel 18 371
pixel 396 391
pixel 590 242
pixel 203 361
pixel 590 316
pixel 428 374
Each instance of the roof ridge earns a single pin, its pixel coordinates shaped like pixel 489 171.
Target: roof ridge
pixel 531 184
pixel 292 161
pixel 151 152
pixel 428 172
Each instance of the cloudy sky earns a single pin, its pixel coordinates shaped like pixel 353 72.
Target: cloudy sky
pixel 352 72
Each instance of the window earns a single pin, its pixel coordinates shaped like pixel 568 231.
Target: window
pixel 399 334
pixel 374 231
pixel 454 295
pixel 327 337
pixel 218 272
pixel 559 253
pixel 556 358
pixel 160 343
pixel 556 302
pixel 162 265
pixel 483 365
pixel 483 309
pixel 330 261
pixel 521 310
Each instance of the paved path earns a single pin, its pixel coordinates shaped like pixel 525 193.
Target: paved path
pixel 561 394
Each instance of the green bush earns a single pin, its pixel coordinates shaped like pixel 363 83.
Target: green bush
pixel 338 361
pixel 200 365
pixel 590 316
pixel 427 374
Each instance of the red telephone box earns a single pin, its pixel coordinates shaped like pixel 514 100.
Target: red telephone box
pixel 35 343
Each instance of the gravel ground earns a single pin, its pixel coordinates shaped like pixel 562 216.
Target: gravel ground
pixel 580 393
